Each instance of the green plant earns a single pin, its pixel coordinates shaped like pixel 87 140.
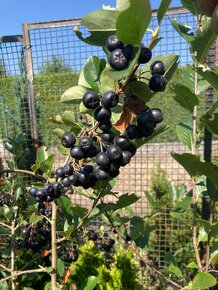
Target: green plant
pixel 123 273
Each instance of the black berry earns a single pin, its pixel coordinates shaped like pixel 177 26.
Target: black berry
pixel 68 140
pixel 157 83
pixel 113 43
pixel 102 115
pixel 102 159
pixel 91 100
pixel 110 99
pixel 118 60
pixel 157 115
pixel 114 152
pixel 145 55
pixel 85 143
pixel 157 67
pixel 76 153
pixel 132 131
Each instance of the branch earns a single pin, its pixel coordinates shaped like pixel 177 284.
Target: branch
pixel 18 273
pixel 25 172
pixel 5 268
pixel 5 225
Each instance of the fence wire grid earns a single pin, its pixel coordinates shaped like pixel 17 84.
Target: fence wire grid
pixel 37 96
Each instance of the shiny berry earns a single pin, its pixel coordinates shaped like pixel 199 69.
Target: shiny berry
pixel 157 67
pixel 145 55
pixel 110 99
pixel 91 100
pixel 157 83
pixel 117 60
pixel 113 43
pixel 68 140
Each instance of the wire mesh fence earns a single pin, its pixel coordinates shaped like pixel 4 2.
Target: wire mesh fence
pixel 55 57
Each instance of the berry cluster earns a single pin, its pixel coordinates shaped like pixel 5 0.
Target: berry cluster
pixel 71 256
pixel 121 54
pixel 48 193
pixel 157 82
pixel 35 237
pixel 102 243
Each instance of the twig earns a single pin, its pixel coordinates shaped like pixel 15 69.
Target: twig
pixel 5 268
pixel 18 273
pixel 5 225
pixel 25 172
pixel 54 246
pixel 194 195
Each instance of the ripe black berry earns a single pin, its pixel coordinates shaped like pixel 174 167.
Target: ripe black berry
pixel 157 67
pixel 113 43
pixel 157 115
pixel 102 115
pixel 127 50
pixel 145 55
pixel 66 181
pixel 68 140
pixel 126 157
pixel 105 126
pixel 85 143
pixel 107 136
pixel 101 174
pixel 143 119
pixel 132 131
pixel 114 152
pixel 118 60
pixel 102 159
pixel 59 172
pixel 33 191
pixel 110 99
pixel 76 153
pixel 132 149
pixel 68 169
pixel 157 83
pixel 122 142
pixel 91 100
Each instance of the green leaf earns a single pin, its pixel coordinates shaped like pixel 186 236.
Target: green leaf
pixel 184 133
pixel 185 97
pixel 49 270
pixel 73 95
pixel 48 286
pixel 178 216
pixel 192 265
pixel 203 40
pixel 107 84
pixel 141 90
pixel 210 76
pixel 43 154
pixel 96 38
pixel 60 267
pixel 90 283
pixel 132 23
pixel 140 231
pixel 72 213
pixel 150 199
pixel 184 204
pixel 212 189
pixel 162 10
pixel 202 281
pixel 183 30
pixel 17 193
pixel 100 20
pixel 213 255
pixel 211 122
pixel 4 286
pixel 116 113
pixel 35 219
pixel 202 235
pixel 4 231
pixel 195 167
pixel 172 265
pixel 126 200
pixel 59 132
pixel 192 6
pixel 92 71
